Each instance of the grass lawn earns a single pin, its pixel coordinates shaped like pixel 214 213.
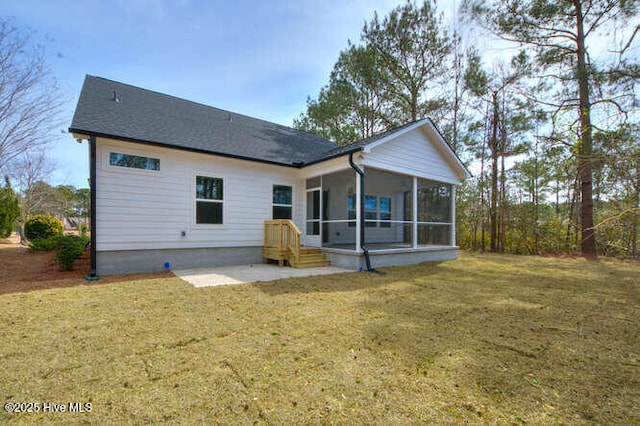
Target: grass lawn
pixel 486 338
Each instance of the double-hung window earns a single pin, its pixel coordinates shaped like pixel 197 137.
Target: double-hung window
pixel 209 200
pixel 282 202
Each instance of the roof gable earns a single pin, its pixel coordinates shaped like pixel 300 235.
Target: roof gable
pixel 417 149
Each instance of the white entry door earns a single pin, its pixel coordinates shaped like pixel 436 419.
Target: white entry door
pixel 313 228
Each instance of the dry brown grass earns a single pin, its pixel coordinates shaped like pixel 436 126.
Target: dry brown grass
pixel 482 339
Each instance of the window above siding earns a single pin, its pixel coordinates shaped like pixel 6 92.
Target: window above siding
pixel 208 188
pixel 282 202
pixel 134 161
pixel 209 200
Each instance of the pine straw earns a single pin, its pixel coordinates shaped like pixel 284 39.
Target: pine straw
pixel 483 339
pixel 22 270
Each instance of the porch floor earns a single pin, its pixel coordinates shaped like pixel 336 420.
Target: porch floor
pixel 242 274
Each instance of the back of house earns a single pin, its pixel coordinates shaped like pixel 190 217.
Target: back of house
pixel 177 184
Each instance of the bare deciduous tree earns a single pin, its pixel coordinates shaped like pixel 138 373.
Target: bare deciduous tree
pixel 29 106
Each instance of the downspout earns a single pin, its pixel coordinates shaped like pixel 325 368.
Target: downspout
pixel 363 246
pixel 93 275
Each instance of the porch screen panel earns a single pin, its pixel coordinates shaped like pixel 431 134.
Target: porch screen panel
pixel 434 213
pixel 339 209
pixel 434 235
pixel 370 211
pixel 387 210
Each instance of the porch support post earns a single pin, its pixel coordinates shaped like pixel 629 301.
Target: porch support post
pixel 415 212
pixel 453 216
pixel 358 212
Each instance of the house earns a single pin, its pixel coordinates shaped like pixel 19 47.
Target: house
pixel 180 184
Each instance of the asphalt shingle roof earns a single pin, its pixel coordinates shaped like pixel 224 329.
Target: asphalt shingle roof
pixel 112 109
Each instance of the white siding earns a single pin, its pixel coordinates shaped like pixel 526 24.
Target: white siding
pixel 139 209
pixel 415 153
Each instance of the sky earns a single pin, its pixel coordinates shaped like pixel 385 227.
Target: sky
pixel 261 58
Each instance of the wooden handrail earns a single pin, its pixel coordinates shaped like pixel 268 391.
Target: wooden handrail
pixel 281 234
pixel 293 239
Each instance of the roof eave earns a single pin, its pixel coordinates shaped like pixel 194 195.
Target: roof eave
pixel 87 133
pixel 331 157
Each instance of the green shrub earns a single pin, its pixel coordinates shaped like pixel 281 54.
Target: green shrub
pixel 84 229
pixel 69 248
pixel 9 210
pixel 42 226
pixel 44 244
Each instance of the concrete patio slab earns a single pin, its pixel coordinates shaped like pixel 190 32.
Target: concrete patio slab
pixel 242 274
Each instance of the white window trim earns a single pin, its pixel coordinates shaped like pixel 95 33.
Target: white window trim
pixel 194 200
pixel 282 205
pixel 106 163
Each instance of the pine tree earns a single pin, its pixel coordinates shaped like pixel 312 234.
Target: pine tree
pixel 558 34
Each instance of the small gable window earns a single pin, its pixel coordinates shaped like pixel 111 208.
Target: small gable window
pixel 282 202
pixel 133 161
pixel 209 200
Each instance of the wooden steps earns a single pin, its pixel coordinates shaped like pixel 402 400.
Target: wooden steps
pixel 310 257
pixel 282 243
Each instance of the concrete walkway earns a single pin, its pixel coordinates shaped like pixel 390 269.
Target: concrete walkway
pixel 242 274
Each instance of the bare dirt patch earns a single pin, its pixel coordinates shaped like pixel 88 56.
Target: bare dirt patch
pixel 22 270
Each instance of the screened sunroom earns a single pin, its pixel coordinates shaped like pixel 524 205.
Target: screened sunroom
pixel 401 212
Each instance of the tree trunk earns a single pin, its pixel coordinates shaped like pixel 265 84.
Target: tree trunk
pixel 23 239
pixel 503 204
pixel 493 145
pixel 572 196
pixel 586 143
pixel 536 205
pixel 636 217
pixel 483 216
pixel 414 104
pixel 634 236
